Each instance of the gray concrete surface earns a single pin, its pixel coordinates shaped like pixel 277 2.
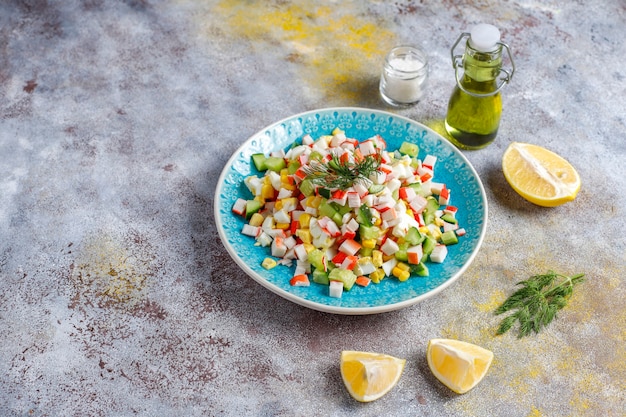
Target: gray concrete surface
pixel 117 297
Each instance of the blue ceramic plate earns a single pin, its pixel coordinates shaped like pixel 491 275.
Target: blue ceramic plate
pixel 467 193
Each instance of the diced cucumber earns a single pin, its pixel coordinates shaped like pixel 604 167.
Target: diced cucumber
pixel 364 215
pixel 324 192
pixel 326 209
pixel 376 188
pixel 449 218
pixel 449 238
pixel 259 161
pixel 369 232
pixel 401 254
pixel 417 187
pixel 408 148
pixel 293 166
pixel 320 277
pixel 315 156
pixel 252 206
pixel 316 258
pixel 275 163
pixel 432 205
pixel 344 275
pixel 307 188
pixel 428 245
pixel 342 209
pixel 420 269
pixel 414 237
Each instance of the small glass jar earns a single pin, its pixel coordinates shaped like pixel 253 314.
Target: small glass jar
pixel 404 76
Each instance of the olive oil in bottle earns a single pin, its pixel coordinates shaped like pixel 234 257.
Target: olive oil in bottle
pixel 475 105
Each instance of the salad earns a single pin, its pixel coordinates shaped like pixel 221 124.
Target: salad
pixel 347 212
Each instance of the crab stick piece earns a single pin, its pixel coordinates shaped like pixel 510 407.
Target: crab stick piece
pixel 240 207
pixel 354 199
pixel 335 289
pixel 361 189
pixel 300 281
pixel 349 262
pixel 278 247
pixel 451 210
pixel 415 254
pixel 389 214
pixel 429 162
pixel 407 193
pixel 350 247
pixel 388 266
pixel 264 239
pixel 249 230
pixel 439 253
pixel 367 148
pixel 300 251
pixel 362 280
pixel 444 196
pixel 389 247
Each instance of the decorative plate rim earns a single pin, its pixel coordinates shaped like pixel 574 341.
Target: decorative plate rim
pixel 331 308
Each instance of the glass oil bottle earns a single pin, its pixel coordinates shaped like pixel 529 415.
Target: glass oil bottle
pixel 475 106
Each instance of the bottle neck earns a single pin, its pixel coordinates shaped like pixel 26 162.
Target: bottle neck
pixel 482 66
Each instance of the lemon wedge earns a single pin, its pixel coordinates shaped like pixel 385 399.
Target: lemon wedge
pixel 458 365
pixel 539 175
pixel 368 376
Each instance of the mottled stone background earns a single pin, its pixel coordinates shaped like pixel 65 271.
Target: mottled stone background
pixel 117 297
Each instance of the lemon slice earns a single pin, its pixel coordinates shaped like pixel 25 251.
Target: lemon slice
pixel 368 376
pixel 458 365
pixel 539 175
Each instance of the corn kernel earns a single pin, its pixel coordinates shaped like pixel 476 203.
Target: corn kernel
pixel 424 230
pixel 409 212
pixel 404 276
pixel 377 276
pixel 278 205
pixel 314 201
pixel 438 221
pixel 401 274
pixel 304 235
pixel 377 258
pixel 368 243
pixel 260 199
pixel 305 219
pixel 267 191
pixel 289 201
pixel 403 266
pixel 268 263
pixel 377 221
pixel 256 219
pixel 388 257
pixel 283 226
pixel 284 171
pixel 308 247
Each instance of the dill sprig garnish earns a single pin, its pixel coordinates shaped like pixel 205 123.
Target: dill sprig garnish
pixel 537 302
pixel 342 174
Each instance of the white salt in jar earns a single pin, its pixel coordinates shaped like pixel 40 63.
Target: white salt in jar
pixel 404 76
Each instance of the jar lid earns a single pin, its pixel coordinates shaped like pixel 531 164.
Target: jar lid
pixel 484 37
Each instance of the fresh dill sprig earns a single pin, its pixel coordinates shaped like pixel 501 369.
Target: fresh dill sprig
pixel 342 174
pixel 537 302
